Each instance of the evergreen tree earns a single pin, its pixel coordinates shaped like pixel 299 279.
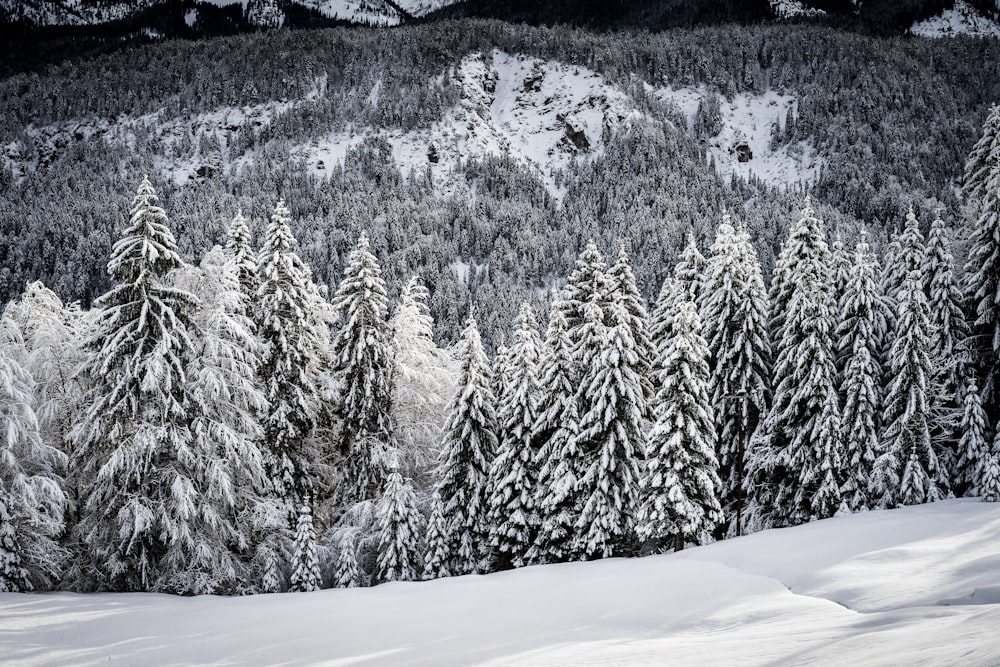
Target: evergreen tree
pixel 661 325
pixel 436 552
pixel 468 448
pixel 626 292
pixel 144 487
pixel 512 515
pixel 840 266
pixel 611 438
pixel 989 482
pixel 802 428
pixel 399 532
pixel 679 490
pixel 364 368
pixel 554 440
pixel 587 282
pixel 239 247
pixel 290 385
pixel 305 564
pixel 735 324
pixel 688 271
pixel 973 447
pixel 860 384
pixel 907 471
pixel 982 270
pixel 32 499
pixel 347 574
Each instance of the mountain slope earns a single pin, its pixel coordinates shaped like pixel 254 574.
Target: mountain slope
pixel 914 586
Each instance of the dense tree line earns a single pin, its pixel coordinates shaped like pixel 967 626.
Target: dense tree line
pixel 232 428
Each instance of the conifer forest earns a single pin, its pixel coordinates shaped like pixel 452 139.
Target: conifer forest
pixel 307 307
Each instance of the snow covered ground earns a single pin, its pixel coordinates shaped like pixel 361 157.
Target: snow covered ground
pixel 962 19
pixel 914 586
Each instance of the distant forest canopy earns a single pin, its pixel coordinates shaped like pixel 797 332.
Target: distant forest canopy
pixel 892 117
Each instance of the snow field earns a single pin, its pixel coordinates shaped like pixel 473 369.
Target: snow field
pixel 913 586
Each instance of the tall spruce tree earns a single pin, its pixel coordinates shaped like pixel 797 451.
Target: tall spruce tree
pixel 679 497
pixel 554 439
pixel 611 436
pixel 907 472
pixel 239 247
pixel 144 487
pixel 973 448
pixel 468 448
pixel 801 433
pixel 626 292
pixel 512 516
pixel 589 278
pixel 734 308
pixel 305 575
pixel 860 384
pixel 436 540
pixel 689 269
pixel 364 368
pixel 399 532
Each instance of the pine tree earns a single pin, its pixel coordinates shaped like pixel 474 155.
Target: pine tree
pixel 611 438
pixel 512 515
pixel 399 532
pixel 364 368
pixel 989 481
pixel 982 270
pixel 347 574
pixel 468 448
pixel 661 325
pixel 626 292
pixel 860 384
pixel 973 447
pixel 554 440
pixel 679 490
pixel 840 266
pixel 32 498
pixel 587 282
pixel 144 487
pixel 688 271
pixel 907 471
pixel 801 437
pixel 290 386
pixel 436 553
pixel 735 324
pixel 239 247
pixel 305 564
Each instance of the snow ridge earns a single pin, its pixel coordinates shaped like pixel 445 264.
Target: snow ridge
pixel 962 19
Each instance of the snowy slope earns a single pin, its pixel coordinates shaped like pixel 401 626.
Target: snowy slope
pixel 962 19
pixel 915 586
pixel 747 120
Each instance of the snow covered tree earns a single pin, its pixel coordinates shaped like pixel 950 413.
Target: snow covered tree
pixel 512 516
pixel 688 271
pixel 145 487
pixel 611 438
pixel 425 377
pixel 982 270
pixel 626 292
pixel 840 266
pixel 468 448
pixel 588 282
pixel 225 405
pixel 554 440
pixel 973 447
pixel 305 575
pixel 399 532
pixel 290 387
pixel 734 307
pixel 661 325
pixel 860 384
pixel 364 369
pixel 32 499
pixel 239 247
pixel 801 458
pixel 679 488
pixel 907 471
pixel 436 552
pixel 989 481
pixel 264 14
pixel 347 574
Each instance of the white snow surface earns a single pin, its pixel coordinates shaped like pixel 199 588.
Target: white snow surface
pixel 962 19
pixel 786 9
pixel 747 119
pixel 913 586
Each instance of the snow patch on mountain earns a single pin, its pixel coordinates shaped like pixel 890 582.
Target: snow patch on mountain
pixel 71 12
pixel 962 19
pixel 786 9
pixel 743 146
pixel 368 12
pixel 545 115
